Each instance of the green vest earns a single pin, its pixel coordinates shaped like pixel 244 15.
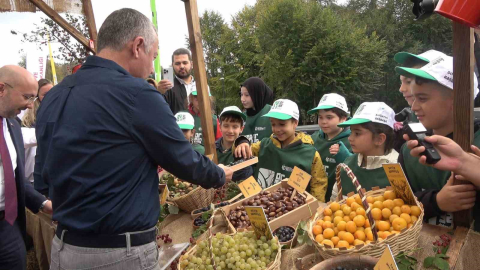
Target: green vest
pixel 366 178
pixel 275 164
pixel 199 148
pixel 323 147
pixel 198 129
pixel 225 158
pixel 258 127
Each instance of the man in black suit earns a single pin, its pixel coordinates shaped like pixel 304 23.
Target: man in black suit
pixel 18 90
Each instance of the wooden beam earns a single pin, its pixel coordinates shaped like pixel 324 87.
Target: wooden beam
pixel 90 17
pixel 463 65
pixel 195 36
pixel 63 23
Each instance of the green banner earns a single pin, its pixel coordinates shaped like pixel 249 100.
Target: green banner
pixel 158 68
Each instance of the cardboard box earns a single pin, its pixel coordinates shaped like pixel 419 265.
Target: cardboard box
pixel 292 218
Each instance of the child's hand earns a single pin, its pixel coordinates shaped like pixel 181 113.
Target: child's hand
pixel 334 149
pixel 243 150
pixel 453 198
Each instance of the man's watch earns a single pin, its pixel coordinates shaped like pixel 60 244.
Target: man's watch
pixel 43 205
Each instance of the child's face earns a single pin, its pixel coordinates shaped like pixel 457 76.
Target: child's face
pixel 231 130
pixel 283 129
pixel 406 89
pixel 433 105
pixel 194 101
pixel 328 121
pixel 361 140
pixel 188 134
pixel 246 98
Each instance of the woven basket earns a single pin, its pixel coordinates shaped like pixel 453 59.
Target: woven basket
pixel 218 223
pixel 197 198
pixel 405 241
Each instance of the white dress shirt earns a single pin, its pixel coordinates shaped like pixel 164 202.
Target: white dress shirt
pixel 13 157
pixel 30 144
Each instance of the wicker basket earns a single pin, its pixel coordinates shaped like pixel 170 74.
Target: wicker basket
pixel 219 224
pixel 406 240
pixel 197 198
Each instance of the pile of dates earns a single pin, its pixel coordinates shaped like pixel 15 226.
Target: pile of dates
pixel 275 204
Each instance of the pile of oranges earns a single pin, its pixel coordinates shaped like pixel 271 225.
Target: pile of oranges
pixel 347 225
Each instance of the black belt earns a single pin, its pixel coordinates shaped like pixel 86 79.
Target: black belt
pixel 103 240
pixel 2 215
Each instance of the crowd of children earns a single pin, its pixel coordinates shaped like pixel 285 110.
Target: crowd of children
pixel 364 142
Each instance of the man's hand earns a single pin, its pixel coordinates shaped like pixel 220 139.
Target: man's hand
pixel 453 198
pixel 334 149
pixel 228 172
pixel 47 208
pixel 164 85
pixel 243 150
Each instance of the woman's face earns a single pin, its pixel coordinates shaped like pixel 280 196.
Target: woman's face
pixel 246 99
pixel 43 91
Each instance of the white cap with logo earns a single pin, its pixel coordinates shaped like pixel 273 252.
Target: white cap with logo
pixel 234 110
pixel 185 120
pixel 374 112
pixel 283 109
pixel 329 101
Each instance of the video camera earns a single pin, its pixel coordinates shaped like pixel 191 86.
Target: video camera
pixel 423 8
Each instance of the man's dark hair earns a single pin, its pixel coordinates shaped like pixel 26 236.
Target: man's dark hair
pixel 182 51
pixel 341 114
pixel 377 129
pixel 231 117
pixel 43 82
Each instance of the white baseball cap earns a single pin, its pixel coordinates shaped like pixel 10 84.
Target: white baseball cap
pixel 329 101
pixel 426 57
pixel 185 120
pixel 439 70
pixel 234 110
pixel 375 112
pixel 283 109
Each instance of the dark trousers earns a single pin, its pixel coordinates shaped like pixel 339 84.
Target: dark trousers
pixel 13 255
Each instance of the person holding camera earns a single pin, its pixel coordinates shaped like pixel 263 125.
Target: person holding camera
pixel 432 89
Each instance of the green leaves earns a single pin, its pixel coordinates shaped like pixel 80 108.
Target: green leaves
pixel 405 262
pixel 437 262
pixel 302 234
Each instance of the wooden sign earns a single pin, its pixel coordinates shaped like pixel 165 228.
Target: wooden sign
pixel 387 261
pixel 299 180
pixel 244 164
pixel 399 182
pixel 250 187
pixel 259 221
pixel 164 192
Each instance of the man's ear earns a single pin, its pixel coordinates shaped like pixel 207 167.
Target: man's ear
pixel 241 129
pixel 137 45
pixel 2 89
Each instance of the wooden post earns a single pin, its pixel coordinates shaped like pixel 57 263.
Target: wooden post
pixel 64 24
pixel 463 65
pixel 195 36
pixel 92 27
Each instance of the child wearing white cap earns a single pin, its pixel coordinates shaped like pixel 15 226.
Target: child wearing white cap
pixel 285 149
pixel 187 124
pixel 371 140
pixel 433 92
pixel 194 109
pixel 332 110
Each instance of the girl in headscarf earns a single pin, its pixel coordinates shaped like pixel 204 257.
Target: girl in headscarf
pixel 257 99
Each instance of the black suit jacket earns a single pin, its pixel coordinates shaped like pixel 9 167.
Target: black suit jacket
pixel 177 97
pixel 27 196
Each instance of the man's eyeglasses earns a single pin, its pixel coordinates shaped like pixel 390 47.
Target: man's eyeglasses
pixel 27 98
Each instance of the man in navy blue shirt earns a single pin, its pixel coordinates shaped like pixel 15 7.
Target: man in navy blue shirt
pixel 101 134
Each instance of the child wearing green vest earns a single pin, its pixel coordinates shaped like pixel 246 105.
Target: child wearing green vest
pixel 372 141
pixel 285 149
pixel 194 109
pixel 256 99
pixel 187 125
pixel 232 121
pixel 332 110
pixel 433 105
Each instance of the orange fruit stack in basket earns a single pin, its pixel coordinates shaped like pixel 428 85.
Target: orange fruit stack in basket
pixel 347 225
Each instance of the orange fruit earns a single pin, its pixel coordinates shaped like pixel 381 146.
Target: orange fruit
pixel 383 225
pixel 398 202
pixel 327 212
pixel 379 199
pixel 327 242
pixel 343 243
pixel 346 218
pixel 328 233
pixel 336 220
pixel 409 225
pixel 395 232
pixel 348 237
pixel 406 209
pixel 360 211
pixel 347 210
pixel 369 235
pixel 335 230
pixel 319 222
pixel 368 242
pixel 339 213
pixel 397 211
pixel 351 227
pixel 361 229
pixel 407 217
pixel 357 242
pixel 359 221
pixel 327 218
pixel 319 238
pixel 359 235
pixel 352 215
pixel 316 230
pixel 383 235
pixel 350 200
pixel 342 225
pixel 335 206
pixel 392 217
pixel 341 234
pixel 376 213
pixel 327 224
pixel 354 206
pixel 370 199
pixel 367 223
pixel 414 219
pixel 386 213
pixel 358 199
pixel 389 195
pixel 416 211
pixel 378 204
pixel 370 205
pixel 388 204
pixel 399 224
pixel 335 240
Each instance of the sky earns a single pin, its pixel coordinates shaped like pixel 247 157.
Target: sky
pixel 170 13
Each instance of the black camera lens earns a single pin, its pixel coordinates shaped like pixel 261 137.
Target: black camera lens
pixel 403 115
pixel 423 8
